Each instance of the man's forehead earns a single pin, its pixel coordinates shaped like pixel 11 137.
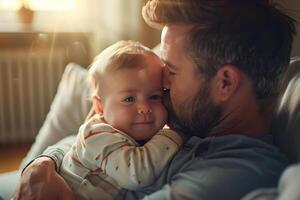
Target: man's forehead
pixel 173 38
pixel 178 30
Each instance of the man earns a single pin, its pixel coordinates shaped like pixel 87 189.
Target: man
pixel 223 62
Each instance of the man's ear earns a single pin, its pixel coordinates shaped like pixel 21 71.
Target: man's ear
pixel 97 104
pixel 227 81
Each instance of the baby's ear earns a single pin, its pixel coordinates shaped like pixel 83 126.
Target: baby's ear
pixel 97 105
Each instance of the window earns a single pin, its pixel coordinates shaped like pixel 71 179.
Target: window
pixel 39 5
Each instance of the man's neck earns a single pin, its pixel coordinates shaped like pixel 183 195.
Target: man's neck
pixel 251 119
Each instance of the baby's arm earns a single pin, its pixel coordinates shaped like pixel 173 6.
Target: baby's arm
pixel 101 148
pixel 134 167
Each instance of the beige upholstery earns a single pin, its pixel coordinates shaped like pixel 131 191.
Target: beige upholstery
pixel 286 124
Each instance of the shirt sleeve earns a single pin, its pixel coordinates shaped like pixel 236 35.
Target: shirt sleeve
pixel 99 147
pixel 57 152
pixel 135 167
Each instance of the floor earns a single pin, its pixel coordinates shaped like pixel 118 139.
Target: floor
pixel 11 156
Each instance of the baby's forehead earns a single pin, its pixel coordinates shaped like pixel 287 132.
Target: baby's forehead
pixel 137 71
pixel 134 61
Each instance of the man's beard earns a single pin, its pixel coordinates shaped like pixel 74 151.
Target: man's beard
pixel 196 116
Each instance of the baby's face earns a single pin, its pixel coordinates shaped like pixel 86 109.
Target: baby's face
pixel 132 100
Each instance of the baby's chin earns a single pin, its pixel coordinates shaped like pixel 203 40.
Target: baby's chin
pixel 142 139
pixel 143 132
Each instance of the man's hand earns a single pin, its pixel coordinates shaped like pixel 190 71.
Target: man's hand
pixel 41 181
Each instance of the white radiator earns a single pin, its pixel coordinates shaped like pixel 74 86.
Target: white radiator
pixel 28 83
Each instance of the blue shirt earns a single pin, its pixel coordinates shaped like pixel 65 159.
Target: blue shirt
pixel 225 167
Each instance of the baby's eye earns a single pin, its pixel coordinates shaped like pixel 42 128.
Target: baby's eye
pixel 156 97
pixel 129 99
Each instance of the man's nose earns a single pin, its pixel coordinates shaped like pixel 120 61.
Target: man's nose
pixel 166 81
pixel 144 108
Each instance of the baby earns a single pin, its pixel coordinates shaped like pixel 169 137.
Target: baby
pixel 124 145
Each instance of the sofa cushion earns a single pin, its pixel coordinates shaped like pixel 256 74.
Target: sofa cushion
pixel 68 110
pixel 286 123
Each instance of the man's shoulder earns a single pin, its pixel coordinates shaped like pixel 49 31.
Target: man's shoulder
pixel 236 147
pixel 232 143
pixel 238 154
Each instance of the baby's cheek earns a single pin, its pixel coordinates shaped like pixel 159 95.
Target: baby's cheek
pixel 121 124
pixel 162 115
pixel 124 120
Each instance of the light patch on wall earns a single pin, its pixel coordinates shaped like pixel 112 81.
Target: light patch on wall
pixel 52 5
pixel 39 5
pixel 10 4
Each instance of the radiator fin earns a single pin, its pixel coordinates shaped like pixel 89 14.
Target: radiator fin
pixel 28 83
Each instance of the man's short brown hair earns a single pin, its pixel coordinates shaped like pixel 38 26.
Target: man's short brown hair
pixel 253 35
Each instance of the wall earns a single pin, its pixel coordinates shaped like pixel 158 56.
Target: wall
pixel 118 19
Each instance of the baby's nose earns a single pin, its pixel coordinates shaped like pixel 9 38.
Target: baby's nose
pixel 144 109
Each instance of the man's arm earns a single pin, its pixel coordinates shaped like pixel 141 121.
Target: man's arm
pixel 40 179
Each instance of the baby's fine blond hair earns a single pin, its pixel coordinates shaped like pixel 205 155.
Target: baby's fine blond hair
pixel 122 54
